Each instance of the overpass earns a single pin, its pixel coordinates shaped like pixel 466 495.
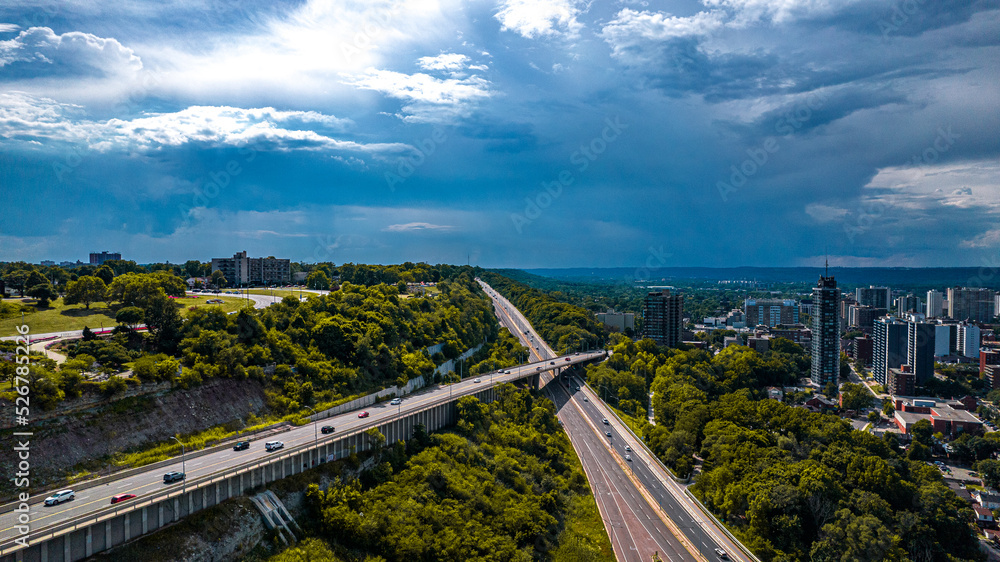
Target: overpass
pixel 89 524
pixel 639 486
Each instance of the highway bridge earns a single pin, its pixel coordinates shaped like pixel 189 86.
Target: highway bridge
pixel 90 524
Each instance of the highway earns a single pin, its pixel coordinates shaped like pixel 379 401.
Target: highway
pixel 91 499
pixel 583 416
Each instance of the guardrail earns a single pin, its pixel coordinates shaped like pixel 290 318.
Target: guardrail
pixel 102 514
pixel 121 474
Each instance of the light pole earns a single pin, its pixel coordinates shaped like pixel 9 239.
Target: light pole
pixel 183 467
pixel 315 433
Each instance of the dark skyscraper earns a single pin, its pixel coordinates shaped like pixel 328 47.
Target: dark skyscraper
pixel 890 335
pixel 663 318
pixel 825 332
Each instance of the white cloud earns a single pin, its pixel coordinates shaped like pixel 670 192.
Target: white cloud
pixel 33 118
pixel 426 98
pixel 778 11
pixel 72 53
pixel 631 30
pixel 540 18
pixel 445 61
pixel 9 27
pixel 962 185
pixel 416 226
pixel 825 213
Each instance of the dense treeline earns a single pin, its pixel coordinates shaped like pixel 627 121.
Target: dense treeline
pixel 563 326
pixel 354 339
pixel 794 485
pixel 500 488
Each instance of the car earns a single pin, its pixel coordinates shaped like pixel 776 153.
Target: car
pixel 974 474
pixel 506 372
pixel 721 554
pixel 585 399
pixel 552 362
pixel 539 368
pixel 395 402
pixel 326 429
pixel 364 414
pixel 273 445
pixel 60 496
pixel 628 449
pixel 173 477
pixel 605 421
pixel 628 458
pixel 608 433
pixel 241 446
pixel 567 358
pixel 477 380
pixel 121 497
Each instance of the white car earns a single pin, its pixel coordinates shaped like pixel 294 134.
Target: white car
pixel 273 445
pixel 628 458
pixel 395 402
pixel 59 497
pixel 478 380
pixel 506 372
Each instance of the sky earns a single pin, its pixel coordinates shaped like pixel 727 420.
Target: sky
pixel 510 133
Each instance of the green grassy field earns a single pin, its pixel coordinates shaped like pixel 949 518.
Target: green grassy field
pixel 279 293
pixel 60 317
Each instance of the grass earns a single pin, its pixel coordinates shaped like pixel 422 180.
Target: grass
pixel 583 537
pixel 279 293
pixel 61 317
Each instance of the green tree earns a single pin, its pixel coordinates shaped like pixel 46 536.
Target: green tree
pixel 989 471
pixel 163 321
pixel 887 408
pixel 105 273
pixel 922 432
pixel 17 278
pixel 219 279
pixel 86 290
pixel 43 293
pixel 130 316
pixel 192 268
pixel 318 280
pixel 831 391
pixel 856 397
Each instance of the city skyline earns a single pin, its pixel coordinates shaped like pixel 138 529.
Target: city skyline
pixel 549 134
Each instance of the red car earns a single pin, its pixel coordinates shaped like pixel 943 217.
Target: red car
pixel 121 498
pixel 363 415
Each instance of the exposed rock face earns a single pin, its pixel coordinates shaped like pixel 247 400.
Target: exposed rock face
pixel 64 441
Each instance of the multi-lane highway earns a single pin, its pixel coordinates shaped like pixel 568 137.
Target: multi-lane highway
pixel 643 508
pixel 91 499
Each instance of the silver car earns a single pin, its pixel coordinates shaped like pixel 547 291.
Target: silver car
pixel 59 497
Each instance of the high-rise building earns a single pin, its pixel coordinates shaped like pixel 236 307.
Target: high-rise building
pixel 967 303
pixel 99 258
pixel 663 317
pixel 988 357
pixel 863 316
pixel 969 338
pixel 920 349
pixel 907 304
pixel 241 270
pixel 771 312
pixel 825 332
pixel 890 347
pixel 875 297
pixel 935 304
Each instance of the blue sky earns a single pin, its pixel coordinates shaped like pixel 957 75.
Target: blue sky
pixel 512 133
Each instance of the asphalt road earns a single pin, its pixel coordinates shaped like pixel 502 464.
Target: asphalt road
pixel 580 421
pixel 91 499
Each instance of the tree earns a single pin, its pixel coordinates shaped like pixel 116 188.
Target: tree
pixel 105 273
pixel 855 397
pixel 989 470
pixel 137 289
pixel 830 390
pixel 130 316
pixel 318 280
pixel 922 432
pixel 218 278
pixel 86 290
pixel 35 277
pixel 16 278
pixel 874 417
pixel 43 293
pixel 163 321
pixel 192 268
pixel 887 408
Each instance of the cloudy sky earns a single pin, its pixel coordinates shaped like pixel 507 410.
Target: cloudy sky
pixel 523 133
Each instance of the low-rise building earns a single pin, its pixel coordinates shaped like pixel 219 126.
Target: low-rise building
pixel 986 499
pixel 618 320
pixel 984 517
pixel 948 417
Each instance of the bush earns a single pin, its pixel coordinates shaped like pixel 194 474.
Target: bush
pixel 113 386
